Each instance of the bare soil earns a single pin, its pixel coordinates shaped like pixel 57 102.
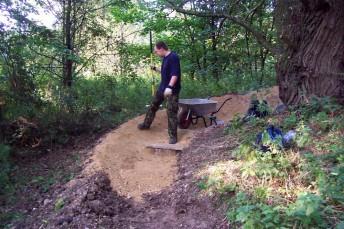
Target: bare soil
pixel 134 169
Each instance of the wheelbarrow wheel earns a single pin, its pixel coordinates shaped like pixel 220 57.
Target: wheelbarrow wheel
pixel 183 120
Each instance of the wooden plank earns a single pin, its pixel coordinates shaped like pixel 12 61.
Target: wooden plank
pixel 175 147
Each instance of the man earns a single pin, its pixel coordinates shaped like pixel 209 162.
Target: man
pixel 169 89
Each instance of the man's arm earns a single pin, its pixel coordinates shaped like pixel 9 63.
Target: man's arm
pixel 173 81
pixel 168 90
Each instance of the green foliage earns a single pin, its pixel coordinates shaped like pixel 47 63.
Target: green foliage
pixel 251 215
pixel 290 122
pixel 329 181
pixel 202 185
pixel 291 188
pixel 5 168
pixel 321 119
pixel 312 167
pixel 333 186
pixel 59 203
pixel 308 210
pixel 264 108
pixel 128 12
pixel 214 184
pixel 303 135
pixel 234 125
pixel 261 193
pixel 266 165
pixel 316 105
pixel 203 56
pixel 245 152
pixel 43 182
pixel 92 105
pixel 7 217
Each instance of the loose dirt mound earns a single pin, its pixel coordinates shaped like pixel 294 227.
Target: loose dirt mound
pixel 90 202
pixel 240 103
pixel 134 169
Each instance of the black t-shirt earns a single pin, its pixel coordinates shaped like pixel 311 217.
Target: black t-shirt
pixel 170 67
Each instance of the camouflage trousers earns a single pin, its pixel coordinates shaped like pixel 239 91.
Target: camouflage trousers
pixel 172 111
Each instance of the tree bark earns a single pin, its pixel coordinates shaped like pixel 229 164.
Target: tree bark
pixel 312 33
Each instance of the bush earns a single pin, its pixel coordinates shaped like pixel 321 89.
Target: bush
pixel 316 104
pixel 5 168
pixel 322 121
pixel 290 122
pixel 298 187
pixel 308 210
pixel 91 105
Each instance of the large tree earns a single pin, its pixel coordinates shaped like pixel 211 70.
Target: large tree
pixel 312 63
pixel 310 57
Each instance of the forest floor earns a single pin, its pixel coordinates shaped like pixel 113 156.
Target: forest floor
pixel 115 181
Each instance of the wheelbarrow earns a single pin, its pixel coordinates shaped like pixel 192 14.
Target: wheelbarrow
pixel 190 110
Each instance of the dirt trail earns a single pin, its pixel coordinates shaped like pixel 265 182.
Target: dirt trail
pixel 134 169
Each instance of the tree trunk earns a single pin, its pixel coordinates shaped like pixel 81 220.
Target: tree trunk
pixel 262 65
pixel 248 54
pixel 67 62
pixel 214 43
pixel 214 50
pixel 312 64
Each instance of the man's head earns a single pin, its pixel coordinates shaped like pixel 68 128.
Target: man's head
pixel 161 49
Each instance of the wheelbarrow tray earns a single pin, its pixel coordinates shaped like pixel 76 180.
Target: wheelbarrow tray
pixel 198 107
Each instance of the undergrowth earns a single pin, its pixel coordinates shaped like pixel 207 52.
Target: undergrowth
pixel 301 186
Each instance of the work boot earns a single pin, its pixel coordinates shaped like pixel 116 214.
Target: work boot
pixel 173 140
pixel 142 126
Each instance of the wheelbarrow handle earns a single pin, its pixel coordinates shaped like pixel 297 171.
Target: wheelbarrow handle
pixel 220 106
